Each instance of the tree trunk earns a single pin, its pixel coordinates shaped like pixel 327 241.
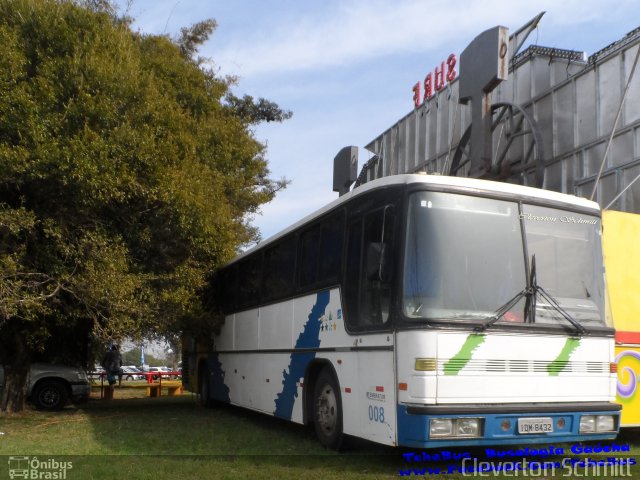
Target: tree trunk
pixel 15 358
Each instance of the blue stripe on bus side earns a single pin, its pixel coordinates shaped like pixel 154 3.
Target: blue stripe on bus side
pixel 298 362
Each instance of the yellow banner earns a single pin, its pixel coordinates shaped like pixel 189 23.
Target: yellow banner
pixel 621 234
pixel 628 360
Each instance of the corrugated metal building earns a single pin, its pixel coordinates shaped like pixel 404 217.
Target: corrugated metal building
pixel 558 115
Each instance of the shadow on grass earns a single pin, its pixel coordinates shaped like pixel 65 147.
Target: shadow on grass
pixel 227 438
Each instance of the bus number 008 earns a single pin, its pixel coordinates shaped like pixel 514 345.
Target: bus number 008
pixel 376 414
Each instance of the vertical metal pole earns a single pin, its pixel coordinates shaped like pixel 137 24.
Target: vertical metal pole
pixel 615 124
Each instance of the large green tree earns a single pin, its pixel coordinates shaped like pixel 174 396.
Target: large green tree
pixel 128 172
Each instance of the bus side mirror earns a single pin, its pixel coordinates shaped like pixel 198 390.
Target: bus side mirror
pixel 377 261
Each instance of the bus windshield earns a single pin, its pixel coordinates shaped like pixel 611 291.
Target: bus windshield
pixel 465 259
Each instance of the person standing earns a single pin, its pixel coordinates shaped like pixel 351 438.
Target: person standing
pixel 112 363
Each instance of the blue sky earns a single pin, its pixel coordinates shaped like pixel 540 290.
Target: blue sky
pixel 346 67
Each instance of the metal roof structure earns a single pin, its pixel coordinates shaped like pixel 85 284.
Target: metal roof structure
pixel 559 122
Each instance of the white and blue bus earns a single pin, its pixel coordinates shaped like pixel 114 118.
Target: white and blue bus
pixel 423 311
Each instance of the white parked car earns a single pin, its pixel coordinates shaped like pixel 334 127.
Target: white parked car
pixel 51 387
pixel 131 372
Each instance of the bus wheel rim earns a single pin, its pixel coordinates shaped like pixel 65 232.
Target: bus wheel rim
pixel 327 409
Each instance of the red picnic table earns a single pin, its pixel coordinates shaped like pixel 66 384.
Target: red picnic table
pixel 153 383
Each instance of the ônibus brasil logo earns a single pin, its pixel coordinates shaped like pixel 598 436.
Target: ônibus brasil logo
pixel 34 468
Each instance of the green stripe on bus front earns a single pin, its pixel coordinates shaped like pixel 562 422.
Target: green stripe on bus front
pixel 561 361
pixel 460 359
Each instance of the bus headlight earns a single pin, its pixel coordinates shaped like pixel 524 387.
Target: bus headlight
pixel 605 423
pixel 597 423
pixel 441 427
pixel 587 424
pixel 468 427
pixel 455 427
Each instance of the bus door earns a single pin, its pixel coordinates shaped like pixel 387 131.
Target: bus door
pixel 368 298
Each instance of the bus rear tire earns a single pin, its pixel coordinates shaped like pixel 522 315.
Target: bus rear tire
pixel 327 410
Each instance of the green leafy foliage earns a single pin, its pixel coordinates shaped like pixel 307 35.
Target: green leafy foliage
pixel 126 174
pixel 261 111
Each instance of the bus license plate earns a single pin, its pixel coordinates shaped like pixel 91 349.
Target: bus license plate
pixel 535 425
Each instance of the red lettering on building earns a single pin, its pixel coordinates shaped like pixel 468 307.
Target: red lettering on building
pixel 451 68
pixel 416 94
pixel 428 87
pixel 440 77
pixel 435 81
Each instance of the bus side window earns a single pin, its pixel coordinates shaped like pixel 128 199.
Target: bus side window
pixel 321 253
pixel 278 270
pixel 250 271
pixel 367 282
pixel 330 252
pixel 225 289
pixel 352 275
pixel 309 258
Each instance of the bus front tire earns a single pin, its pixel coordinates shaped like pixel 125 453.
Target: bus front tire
pixel 327 411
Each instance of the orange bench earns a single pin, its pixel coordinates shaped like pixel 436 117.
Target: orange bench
pixel 174 389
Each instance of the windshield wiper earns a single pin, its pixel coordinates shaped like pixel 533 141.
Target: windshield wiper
pixel 563 312
pixel 497 315
pixel 532 286
pixel 530 292
pixel 544 294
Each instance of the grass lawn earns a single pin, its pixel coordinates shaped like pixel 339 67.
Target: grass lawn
pixel 172 437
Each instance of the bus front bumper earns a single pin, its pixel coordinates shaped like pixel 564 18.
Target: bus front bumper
pixel 505 424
